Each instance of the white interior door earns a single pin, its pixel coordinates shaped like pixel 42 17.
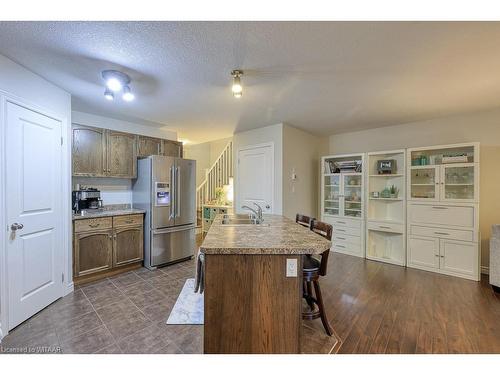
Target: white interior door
pixel 255 182
pixel 34 217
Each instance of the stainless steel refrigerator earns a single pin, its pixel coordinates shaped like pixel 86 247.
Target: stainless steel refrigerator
pixel 166 188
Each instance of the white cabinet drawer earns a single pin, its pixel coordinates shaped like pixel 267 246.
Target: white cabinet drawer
pixel 348 248
pixel 464 235
pixel 343 222
pixel 460 216
pixel 346 239
pixel 384 227
pixel 341 231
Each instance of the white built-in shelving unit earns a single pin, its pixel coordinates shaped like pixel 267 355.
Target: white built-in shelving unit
pixel 343 203
pixel 386 214
pixel 443 209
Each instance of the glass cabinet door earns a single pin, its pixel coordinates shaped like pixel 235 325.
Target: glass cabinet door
pixel 352 194
pixel 458 182
pixel 424 183
pixel 331 203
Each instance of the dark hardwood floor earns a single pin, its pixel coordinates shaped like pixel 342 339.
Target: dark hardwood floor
pixel 373 307
pixel 381 308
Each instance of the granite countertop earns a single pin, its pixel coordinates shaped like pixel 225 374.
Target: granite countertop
pixel 110 210
pixel 279 235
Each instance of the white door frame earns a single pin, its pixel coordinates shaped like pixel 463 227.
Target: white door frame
pixel 237 169
pixel 5 98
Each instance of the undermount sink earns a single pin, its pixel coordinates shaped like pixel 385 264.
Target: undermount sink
pixel 238 216
pixel 241 220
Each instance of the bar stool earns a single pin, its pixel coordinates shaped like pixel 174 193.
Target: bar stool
pixel 304 220
pixel 311 271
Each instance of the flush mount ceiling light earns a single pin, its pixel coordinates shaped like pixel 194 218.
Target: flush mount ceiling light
pixel 117 81
pixel 127 94
pixel 236 88
pixel 108 94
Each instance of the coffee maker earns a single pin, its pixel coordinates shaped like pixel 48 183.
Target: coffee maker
pixel 86 199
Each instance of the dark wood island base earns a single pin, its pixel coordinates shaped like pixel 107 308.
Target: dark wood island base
pixel 251 306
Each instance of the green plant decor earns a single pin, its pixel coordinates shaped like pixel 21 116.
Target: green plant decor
pixel 219 196
pixel 394 191
pixel 386 193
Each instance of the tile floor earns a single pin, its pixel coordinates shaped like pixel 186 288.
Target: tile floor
pixel 122 314
pixel 127 314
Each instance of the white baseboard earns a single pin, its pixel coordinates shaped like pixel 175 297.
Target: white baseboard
pixel 485 270
pixel 69 288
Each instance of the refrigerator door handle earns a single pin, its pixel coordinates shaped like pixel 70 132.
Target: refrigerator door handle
pixel 172 230
pixel 178 191
pixel 172 191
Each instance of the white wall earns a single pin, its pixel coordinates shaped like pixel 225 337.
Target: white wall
pixel 201 153
pixel 205 155
pixel 273 133
pixel 35 92
pixel 483 127
pixel 301 153
pixel 115 190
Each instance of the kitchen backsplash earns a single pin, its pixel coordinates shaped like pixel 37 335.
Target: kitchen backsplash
pixel 113 190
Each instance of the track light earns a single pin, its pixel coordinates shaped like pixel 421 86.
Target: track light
pixel 117 81
pixel 127 94
pixel 237 89
pixel 108 94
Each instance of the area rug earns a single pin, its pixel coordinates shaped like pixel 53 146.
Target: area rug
pixel 188 308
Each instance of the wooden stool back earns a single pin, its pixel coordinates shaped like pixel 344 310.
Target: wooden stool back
pixel 325 230
pixel 304 220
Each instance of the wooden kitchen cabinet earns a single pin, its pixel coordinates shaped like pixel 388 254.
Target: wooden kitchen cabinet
pixel 122 154
pixel 108 153
pixel 107 246
pixel 149 146
pixel 92 252
pixel 127 245
pixel 172 148
pixel 88 151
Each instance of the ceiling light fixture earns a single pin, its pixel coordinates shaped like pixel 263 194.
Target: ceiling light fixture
pixel 117 81
pixel 237 89
pixel 108 94
pixel 127 94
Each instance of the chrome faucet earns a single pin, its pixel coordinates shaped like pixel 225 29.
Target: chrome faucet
pixel 257 213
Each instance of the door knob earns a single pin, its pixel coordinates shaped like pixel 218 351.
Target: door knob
pixel 16 226
pixel 268 206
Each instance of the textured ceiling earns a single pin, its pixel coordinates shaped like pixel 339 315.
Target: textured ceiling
pixel 324 77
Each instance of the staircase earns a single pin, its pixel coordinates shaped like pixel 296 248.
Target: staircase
pixel 217 176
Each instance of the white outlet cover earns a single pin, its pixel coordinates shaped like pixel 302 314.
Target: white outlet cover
pixel 291 268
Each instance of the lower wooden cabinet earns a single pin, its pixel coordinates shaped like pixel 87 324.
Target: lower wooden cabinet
pixel 127 245
pixel 92 252
pixel 98 252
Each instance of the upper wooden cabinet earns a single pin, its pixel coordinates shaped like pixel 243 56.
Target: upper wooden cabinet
pixel 89 151
pixel 172 148
pixel 122 154
pixel 149 146
pixel 108 153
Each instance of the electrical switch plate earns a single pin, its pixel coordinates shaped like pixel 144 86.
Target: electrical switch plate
pixel 291 268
